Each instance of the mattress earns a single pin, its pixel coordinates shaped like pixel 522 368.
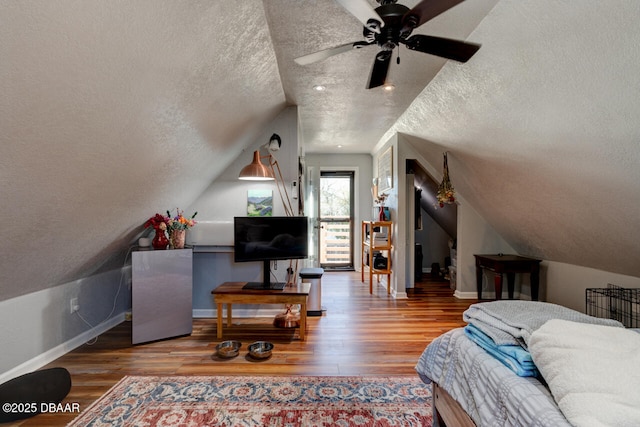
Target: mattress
pixel 490 393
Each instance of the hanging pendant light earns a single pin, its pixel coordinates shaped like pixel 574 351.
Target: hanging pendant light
pixel 446 192
pixel 256 171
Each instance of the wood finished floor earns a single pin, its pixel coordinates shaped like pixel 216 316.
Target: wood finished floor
pixel 359 334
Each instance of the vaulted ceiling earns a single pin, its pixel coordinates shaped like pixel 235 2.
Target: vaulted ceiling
pixel 110 110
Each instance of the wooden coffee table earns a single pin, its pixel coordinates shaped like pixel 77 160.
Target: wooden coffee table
pixel 232 293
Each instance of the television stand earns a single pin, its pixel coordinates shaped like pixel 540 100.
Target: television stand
pixel 271 286
pixel 230 293
pixel 266 284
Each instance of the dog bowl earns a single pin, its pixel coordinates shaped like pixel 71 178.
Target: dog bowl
pixel 228 349
pixel 260 349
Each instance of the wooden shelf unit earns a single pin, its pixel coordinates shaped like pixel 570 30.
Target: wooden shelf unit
pixel 371 245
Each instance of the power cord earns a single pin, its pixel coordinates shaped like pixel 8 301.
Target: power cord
pixel 115 298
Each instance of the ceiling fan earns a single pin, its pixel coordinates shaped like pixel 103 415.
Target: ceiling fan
pixel 391 24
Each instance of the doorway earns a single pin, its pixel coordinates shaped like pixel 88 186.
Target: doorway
pixel 336 219
pixel 435 229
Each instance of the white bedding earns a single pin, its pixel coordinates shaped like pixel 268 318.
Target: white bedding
pixel 488 391
pixel 593 371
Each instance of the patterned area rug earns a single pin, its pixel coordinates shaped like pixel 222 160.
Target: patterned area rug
pixel 262 401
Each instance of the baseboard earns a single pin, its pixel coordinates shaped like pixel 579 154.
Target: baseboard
pixel 400 295
pixel 470 295
pixel 60 350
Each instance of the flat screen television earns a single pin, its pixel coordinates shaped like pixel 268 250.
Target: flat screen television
pixel 269 238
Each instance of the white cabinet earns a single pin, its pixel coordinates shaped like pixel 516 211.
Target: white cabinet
pixel 161 294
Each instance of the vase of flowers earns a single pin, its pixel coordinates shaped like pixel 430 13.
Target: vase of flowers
pixel 159 224
pixel 177 238
pixel 178 226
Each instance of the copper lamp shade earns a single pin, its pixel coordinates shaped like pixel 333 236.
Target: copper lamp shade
pixel 256 171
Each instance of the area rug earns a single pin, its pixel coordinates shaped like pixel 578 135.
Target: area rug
pixel 262 401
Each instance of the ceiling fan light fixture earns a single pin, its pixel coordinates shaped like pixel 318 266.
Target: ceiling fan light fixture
pixel 390 25
pixel 256 170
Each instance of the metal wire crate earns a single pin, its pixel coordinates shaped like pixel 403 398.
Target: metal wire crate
pixel 615 302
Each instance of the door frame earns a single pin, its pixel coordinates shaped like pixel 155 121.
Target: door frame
pixel 356 208
pixel 341 173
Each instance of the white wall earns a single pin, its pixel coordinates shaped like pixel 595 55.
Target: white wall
pixel 226 197
pixel 475 236
pixel 396 201
pixel 38 327
pixel 434 241
pixel 560 283
pixel 361 164
pixel 474 233
pixel 565 284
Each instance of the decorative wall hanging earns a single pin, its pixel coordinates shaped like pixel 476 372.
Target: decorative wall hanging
pixel 446 192
pixel 260 203
pixel 385 171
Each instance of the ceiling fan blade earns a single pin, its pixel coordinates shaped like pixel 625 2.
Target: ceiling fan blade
pixel 364 12
pixel 380 69
pixel 439 46
pixel 426 10
pixel 327 53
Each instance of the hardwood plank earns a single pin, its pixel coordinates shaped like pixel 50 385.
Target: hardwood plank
pixel 359 334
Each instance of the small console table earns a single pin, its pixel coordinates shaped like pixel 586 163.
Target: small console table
pixel 233 293
pixel 509 264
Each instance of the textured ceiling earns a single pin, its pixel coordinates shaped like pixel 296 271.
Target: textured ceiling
pixel 346 116
pixel 110 110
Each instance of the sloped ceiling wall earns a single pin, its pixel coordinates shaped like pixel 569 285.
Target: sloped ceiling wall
pixel 112 111
pixel 542 129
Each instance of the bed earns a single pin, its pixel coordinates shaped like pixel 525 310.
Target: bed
pixel 572 381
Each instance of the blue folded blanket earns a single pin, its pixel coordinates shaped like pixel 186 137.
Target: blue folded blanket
pixel 513 321
pixel 513 357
